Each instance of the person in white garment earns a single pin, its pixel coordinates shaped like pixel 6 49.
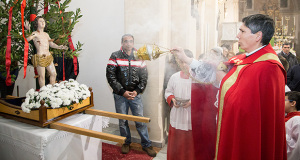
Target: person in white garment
pixel 292 124
pixel 178 96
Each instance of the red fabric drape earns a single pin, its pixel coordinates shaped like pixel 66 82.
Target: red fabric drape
pixel 64 72
pixel 72 48
pixel 57 2
pixel 45 7
pixel 74 57
pixel 8 50
pixel 26 45
pixel 204 112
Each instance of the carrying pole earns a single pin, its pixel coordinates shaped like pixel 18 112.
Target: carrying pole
pixel 87 132
pixel 117 115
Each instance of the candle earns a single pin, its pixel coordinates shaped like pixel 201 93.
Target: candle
pixel 282 21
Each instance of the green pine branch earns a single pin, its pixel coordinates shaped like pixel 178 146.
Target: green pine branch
pixel 58 29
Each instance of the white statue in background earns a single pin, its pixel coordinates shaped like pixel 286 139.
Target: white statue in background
pixel 43 59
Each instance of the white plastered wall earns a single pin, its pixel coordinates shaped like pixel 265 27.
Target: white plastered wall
pixel 167 23
pixel 100 29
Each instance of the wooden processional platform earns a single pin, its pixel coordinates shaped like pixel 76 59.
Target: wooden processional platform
pixel 48 117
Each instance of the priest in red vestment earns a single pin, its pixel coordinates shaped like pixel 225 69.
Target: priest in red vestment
pixel 251 103
pixel 251 98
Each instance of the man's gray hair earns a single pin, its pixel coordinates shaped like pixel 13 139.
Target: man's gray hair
pixel 127 35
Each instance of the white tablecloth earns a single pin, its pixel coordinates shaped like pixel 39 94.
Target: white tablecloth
pixel 20 141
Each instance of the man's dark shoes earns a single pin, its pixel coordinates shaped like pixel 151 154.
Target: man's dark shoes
pixel 125 148
pixel 150 151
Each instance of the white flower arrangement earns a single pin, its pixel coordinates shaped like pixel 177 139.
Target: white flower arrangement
pixel 62 94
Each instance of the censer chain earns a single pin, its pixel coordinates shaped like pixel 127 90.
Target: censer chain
pixel 179 64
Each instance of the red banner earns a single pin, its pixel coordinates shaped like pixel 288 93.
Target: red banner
pixel 71 47
pixel 64 72
pixel 8 50
pixel 45 7
pixel 57 2
pixel 74 57
pixel 26 45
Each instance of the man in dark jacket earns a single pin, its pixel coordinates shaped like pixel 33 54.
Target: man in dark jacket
pixel 293 78
pixel 128 78
pixel 288 55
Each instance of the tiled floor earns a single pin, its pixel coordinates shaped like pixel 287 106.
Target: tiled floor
pixel 162 154
pixel 113 129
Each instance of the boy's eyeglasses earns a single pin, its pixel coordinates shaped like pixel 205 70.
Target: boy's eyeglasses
pixel 289 100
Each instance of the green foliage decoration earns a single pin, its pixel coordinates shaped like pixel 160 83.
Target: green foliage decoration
pixel 58 29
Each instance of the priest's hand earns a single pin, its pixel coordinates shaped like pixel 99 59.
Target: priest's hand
pixel 179 53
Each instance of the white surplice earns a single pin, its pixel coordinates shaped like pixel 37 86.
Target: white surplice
pixel 292 127
pixel 180 118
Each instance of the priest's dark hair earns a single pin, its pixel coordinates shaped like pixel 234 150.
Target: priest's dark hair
pixel 294 96
pixel 263 23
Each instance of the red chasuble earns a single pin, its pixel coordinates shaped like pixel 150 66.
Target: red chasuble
pixel 251 109
pixel 203 117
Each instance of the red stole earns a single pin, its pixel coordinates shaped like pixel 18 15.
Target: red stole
pixel 291 115
pixel 251 109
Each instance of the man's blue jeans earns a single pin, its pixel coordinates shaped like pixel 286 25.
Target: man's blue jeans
pixel 136 106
